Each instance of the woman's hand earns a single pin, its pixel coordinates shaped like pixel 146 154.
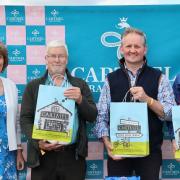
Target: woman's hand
pixel 20 160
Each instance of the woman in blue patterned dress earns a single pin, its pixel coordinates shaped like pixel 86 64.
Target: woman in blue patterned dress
pixel 11 157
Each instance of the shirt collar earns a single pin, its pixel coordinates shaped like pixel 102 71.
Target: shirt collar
pixel 50 81
pixel 129 71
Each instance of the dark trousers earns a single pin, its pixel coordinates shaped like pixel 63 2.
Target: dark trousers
pixel 146 167
pixel 60 165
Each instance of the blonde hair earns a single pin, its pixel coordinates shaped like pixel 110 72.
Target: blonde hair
pixel 135 31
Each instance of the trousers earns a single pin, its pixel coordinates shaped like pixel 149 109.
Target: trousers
pixel 60 165
pixel 146 167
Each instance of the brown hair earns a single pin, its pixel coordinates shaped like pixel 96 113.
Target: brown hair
pixel 4 54
pixel 135 31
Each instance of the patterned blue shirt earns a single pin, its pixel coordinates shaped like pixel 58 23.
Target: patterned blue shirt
pixel 165 97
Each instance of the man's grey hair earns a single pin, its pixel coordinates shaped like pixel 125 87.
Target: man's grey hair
pixel 57 43
pixel 135 31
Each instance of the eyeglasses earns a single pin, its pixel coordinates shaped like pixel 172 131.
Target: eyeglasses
pixel 54 56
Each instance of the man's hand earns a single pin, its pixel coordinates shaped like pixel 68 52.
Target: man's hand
pixel 46 146
pixel 109 148
pixel 139 94
pixel 74 93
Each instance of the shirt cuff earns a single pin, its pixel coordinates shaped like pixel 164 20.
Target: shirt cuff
pixel 103 133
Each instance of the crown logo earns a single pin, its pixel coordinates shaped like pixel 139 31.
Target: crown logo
pixel 123 23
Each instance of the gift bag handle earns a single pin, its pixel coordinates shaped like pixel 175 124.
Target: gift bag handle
pixel 125 97
pixel 56 76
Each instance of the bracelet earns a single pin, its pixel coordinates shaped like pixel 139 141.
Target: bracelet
pixel 150 101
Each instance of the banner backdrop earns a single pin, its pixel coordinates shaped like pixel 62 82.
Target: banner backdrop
pixel 93 35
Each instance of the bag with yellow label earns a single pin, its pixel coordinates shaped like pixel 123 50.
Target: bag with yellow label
pixel 54 115
pixel 129 132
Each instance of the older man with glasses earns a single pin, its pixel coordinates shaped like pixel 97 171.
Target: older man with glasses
pixel 60 162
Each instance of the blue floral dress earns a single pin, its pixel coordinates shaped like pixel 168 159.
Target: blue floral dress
pixel 7 158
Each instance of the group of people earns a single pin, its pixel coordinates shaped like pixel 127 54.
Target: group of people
pixel 51 160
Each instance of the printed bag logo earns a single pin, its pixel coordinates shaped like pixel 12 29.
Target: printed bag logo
pixel 127 129
pixel 54 117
